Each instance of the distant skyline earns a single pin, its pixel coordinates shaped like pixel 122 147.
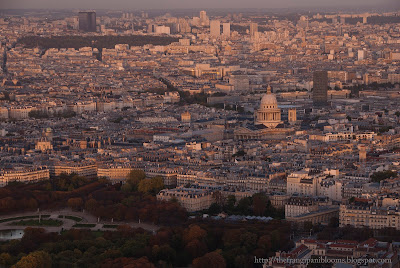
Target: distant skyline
pixel 183 4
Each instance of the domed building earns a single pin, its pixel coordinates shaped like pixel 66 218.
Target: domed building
pixel 269 114
pixel 267 122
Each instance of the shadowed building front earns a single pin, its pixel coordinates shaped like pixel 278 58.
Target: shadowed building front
pixel 320 88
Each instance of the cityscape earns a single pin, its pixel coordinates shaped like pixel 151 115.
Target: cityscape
pixel 186 137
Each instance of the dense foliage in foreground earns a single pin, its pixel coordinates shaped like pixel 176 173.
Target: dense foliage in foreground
pixel 213 244
pixel 201 243
pixel 97 196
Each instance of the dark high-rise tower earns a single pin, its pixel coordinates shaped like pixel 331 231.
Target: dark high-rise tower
pixel 87 21
pixel 320 91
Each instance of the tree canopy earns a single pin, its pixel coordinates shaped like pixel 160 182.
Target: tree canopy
pixel 93 41
pixel 383 175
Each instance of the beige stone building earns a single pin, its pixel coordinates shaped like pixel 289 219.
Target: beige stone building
pixel 191 199
pixel 23 174
pixel 116 174
pixel 368 214
pixel 43 145
pixel 269 114
pixel 310 209
pixel 267 122
pixel 278 199
pixel 315 183
pixel 19 112
pixel 85 169
pixel 186 117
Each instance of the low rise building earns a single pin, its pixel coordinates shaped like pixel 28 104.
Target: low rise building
pixel 369 213
pixel 315 183
pixel 82 168
pixel 189 198
pixel 114 173
pixel 316 210
pixel 23 174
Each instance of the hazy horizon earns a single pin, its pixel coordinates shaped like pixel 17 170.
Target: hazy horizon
pixel 191 4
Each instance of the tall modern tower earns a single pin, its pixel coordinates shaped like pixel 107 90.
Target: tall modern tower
pixel 204 18
pixel 87 21
pixel 226 29
pixel 215 28
pixel 253 29
pixel 320 91
pixel 203 15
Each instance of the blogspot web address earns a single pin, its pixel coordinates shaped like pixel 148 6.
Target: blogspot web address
pixel 321 260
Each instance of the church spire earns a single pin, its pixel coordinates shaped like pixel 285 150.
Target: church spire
pixel 269 89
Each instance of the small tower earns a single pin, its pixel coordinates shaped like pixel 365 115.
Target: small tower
pixel 362 153
pixel 292 115
pixel 186 117
pixel 48 134
pixel 365 19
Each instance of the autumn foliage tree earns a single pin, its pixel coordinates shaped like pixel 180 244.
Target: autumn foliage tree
pixel 200 244
pixel 219 198
pixel 75 203
pixel 37 259
pixel 98 197
pixel 194 232
pixel 153 185
pixel 128 263
pixel 6 259
pixel 135 176
pixel 212 259
pixel 259 204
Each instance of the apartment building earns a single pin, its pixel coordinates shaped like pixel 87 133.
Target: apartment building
pixel 375 214
pixel 82 168
pixel 23 174
pixel 311 182
pixel 189 198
